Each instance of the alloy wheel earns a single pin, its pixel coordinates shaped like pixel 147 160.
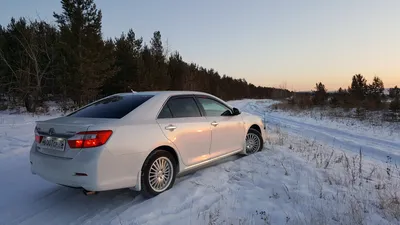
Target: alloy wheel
pixel 160 174
pixel 252 143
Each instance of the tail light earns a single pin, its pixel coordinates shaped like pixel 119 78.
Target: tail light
pixel 89 139
pixel 38 138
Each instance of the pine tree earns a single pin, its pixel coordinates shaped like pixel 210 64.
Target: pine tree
pixel 359 87
pixel 375 89
pixel 157 49
pixel 320 94
pixel 127 54
pixel 176 71
pixel 147 68
pixel 159 72
pixel 4 70
pixel 88 59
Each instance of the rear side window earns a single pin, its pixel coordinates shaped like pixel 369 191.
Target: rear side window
pixel 183 107
pixel 114 107
pixel 165 113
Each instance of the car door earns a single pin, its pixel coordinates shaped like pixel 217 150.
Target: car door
pixel 227 131
pixel 183 124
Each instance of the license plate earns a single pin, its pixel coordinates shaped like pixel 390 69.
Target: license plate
pixel 53 143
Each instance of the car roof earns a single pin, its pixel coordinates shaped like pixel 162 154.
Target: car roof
pixel 167 93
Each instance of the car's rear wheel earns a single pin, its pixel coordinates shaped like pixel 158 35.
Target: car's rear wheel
pixel 158 173
pixel 253 141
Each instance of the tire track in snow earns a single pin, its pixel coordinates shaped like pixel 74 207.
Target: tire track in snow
pixel 372 147
pixel 337 132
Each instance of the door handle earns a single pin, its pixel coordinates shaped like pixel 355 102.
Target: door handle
pixel 170 127
pixel 214 124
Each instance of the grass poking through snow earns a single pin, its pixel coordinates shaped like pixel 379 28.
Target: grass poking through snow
pixel 325 185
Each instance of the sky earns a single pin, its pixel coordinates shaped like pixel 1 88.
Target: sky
pixel 289 43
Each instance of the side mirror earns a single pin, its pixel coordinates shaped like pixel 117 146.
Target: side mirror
pixel 235 111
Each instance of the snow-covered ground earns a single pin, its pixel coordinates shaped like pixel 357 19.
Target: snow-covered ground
pixel 379 141
pixel 310 172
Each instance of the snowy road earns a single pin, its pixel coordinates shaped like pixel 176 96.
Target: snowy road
pixel 374 147
pixel 238 191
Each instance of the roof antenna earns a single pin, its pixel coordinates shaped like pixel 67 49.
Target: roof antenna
pixel 131 89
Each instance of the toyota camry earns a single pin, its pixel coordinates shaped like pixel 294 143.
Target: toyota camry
pixel 141 140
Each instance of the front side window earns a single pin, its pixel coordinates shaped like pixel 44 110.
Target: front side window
pixel 114 107
pixel 183 107
pixel 214 108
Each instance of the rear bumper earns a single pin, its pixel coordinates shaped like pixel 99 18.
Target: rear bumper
pixel 104 171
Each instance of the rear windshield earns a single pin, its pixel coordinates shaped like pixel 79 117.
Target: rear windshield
pixel 114 107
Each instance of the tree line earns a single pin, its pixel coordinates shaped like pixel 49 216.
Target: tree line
pixel 359 94
pixel 71 61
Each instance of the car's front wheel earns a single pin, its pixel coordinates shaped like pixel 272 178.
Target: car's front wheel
pixel 159 173
pixel 254 141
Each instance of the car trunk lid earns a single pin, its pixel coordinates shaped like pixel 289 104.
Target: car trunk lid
pixel 55 133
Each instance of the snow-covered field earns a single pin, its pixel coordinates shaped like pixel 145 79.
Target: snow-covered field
pixel 310 172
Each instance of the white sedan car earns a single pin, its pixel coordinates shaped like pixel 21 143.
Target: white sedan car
pixel 141 140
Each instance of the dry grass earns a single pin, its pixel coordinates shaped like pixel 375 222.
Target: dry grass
pixel 389 200
pixel 362 189
pixel 366 185
pixel 214 217
pixel 277 136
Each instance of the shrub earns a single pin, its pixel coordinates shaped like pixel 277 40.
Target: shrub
pixel 333 101
pixel 304 102
pixel 395 105
pixel 394 92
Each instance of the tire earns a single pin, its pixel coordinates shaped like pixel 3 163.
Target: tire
pixel 160 182
pixel 255 136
